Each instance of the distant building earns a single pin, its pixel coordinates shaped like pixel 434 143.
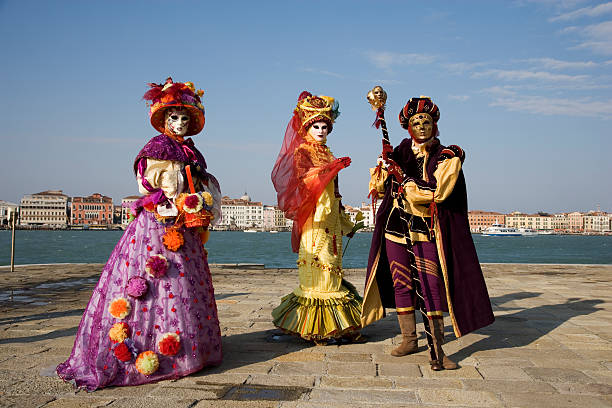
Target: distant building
pixel 47 208
pixel 596 222
pixel 480 220
pixel 96 209
pixel 530 221
pixel 274 218
pixel 575 222
pixel 5 209
pixel 125 208
pixel 117 210
pixel 366 211
pixel 241 213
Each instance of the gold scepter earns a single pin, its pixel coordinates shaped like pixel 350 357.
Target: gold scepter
pixel 377 97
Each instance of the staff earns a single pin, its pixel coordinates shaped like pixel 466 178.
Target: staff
pixel 377 97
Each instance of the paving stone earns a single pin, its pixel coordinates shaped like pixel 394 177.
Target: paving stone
pixel 502 386
pixel 321 395
pixel 502 373
pixel 300 356
pixel 288 380
pixel 356 382
pixel 577 388
pixel 80 402
pixel 349 357
pixel 557 375
pixel 296 368
pixel 533 400
pixel 436 383
pixel 341 369
pixel 153 402
pixel 463 372
pixel 448 397
pixel 399 370
pixel 546 328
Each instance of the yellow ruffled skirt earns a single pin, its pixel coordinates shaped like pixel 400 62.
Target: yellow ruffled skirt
pixel 315 318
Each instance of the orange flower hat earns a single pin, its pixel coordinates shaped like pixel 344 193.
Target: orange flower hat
pixel 175 94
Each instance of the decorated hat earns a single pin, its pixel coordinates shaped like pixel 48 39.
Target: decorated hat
pixel 311 108
pixel 422 104
pixel 179 95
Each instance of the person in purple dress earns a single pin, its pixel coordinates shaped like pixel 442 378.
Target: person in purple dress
pixel 152 315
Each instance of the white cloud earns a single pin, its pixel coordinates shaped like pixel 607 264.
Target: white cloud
pixel 461 98
pixel 515 102
pixel 523 75
pixel 386 59
pixel 584 12
pixel 598 38
pixel 462 67
pixel 385 81
pixel 322 72
pixel 551 63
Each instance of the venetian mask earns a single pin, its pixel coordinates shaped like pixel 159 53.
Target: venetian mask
pixel 421 127
pixel 177 121
pixel 318 131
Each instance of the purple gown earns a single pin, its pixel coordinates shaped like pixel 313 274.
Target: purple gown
pixel 181 302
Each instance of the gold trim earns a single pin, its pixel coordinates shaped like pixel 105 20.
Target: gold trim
pixel 405 309
pixel 442 259
pixel 435 313
pixel 371 297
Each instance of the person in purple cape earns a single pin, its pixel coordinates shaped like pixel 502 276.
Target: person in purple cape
pixel 422 239
pixel 152 315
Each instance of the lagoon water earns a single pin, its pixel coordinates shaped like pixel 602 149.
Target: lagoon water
pixel 274 251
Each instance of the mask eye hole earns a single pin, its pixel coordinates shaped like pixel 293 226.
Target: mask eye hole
pixel 185 118
pixel 174 117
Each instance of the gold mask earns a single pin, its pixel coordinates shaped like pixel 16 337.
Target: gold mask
pixel 421 127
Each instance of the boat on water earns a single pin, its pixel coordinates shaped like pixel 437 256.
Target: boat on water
pixel 499 230
pixel 273 232
pixel 527 232
pixel 250 230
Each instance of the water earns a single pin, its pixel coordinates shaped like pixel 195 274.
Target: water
pixel 274 250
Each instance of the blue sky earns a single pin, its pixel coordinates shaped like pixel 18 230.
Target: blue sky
pixel 524 87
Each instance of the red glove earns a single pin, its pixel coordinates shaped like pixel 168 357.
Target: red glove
pixel 346 161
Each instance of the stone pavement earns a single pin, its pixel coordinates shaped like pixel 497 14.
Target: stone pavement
pixel 551 346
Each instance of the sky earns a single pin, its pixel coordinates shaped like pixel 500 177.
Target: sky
pixel 523 86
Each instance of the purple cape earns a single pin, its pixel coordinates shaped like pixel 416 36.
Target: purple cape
pixel 467 296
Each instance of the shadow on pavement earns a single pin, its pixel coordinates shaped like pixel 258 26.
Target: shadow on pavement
pixel 526 325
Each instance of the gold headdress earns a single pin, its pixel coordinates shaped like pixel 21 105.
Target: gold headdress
pixel 312 108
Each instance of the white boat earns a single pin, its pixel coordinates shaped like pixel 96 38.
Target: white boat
pixel 527 232
pixel 273 232
pixel 498 230
pixel 250 230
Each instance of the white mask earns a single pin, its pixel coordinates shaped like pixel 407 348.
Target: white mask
pixel 318 131
pixel 177 121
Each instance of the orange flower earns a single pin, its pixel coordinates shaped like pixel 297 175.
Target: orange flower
pixel 119 332
pixel 173 239
pixel 120 308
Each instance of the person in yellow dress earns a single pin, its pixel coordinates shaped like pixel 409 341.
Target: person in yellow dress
pixel 324 306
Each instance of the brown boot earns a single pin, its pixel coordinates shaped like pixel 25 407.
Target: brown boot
pixel 409 341
pixel 443 362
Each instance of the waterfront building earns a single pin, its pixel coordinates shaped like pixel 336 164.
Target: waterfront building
pixel 480 220
pixel 575 222
pixel 5 209
pixel 125 208
pixel 530 221
pixel 274 218
pixel 366 211
pixel 241 213
pixel 596 222
pixel 47 208
pixel 93 210
pixel 561 222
